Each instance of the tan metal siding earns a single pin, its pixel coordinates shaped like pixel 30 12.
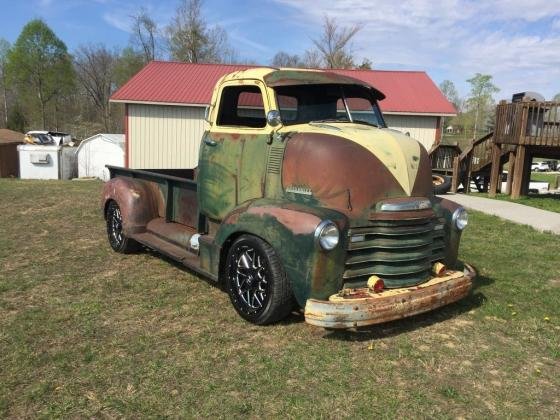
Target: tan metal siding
pixel 162 137
pixel 421 128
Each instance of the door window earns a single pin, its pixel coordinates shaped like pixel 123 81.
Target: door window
pixel 242 106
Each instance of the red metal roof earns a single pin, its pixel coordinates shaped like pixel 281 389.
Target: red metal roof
pixel 187 83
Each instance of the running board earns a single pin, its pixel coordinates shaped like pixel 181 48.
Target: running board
pixel 173 251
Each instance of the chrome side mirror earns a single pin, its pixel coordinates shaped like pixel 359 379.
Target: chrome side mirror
pixel 207 114
pixel 273 118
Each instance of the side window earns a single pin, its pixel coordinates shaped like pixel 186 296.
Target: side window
pixel 288 106
pixel 242 106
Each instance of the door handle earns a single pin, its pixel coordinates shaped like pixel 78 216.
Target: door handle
pixel 210 142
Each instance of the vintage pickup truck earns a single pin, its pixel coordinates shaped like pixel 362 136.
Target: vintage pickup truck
pixel 301 195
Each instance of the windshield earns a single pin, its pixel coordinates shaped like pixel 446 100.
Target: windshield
pixel 328 103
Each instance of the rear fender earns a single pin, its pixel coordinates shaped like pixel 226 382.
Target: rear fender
pixel 290 228
pixel 135 199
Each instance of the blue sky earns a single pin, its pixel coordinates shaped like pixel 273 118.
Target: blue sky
pixel 517 41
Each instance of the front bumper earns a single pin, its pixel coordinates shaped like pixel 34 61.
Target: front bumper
pixel 361 307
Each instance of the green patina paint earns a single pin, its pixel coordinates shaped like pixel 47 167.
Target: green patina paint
pixel 312 272
pixel 240 187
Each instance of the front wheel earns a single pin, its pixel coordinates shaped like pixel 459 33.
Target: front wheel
pixel 117 239
pixel 256 282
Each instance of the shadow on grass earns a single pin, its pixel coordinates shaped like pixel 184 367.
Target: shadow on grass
pixel 180 266
pixel 474 300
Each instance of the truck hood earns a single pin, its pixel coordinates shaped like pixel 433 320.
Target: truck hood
pixel 361 163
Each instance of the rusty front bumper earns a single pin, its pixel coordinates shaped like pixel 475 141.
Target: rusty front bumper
pixel 362 307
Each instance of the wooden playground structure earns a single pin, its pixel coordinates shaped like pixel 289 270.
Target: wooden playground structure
pixel 523 130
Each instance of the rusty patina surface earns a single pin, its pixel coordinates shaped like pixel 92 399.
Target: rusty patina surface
pixel 136 200
pixel 361 307
pixel 345 176
pixel 280 183
pixel 290 226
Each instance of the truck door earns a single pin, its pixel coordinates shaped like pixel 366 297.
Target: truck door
pixel 233 152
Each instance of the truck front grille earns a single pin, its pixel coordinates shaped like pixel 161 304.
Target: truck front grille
pixel 401 252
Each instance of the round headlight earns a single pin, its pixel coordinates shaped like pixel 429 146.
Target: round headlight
pixel 460 218
pixel 327 235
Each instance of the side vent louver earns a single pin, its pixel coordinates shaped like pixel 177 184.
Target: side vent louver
pixel 275 155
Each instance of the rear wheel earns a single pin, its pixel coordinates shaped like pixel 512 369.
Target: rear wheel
pixel 256 282
pixel 118 241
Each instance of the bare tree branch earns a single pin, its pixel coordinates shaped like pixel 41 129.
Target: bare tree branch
pixel 334 44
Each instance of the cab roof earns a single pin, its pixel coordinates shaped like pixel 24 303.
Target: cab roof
pixel 274 77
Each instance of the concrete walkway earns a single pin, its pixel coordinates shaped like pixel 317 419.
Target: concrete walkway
pixel 542 220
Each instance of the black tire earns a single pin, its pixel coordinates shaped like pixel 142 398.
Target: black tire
pixel 256 282
pixel 118 241
pixel 442 183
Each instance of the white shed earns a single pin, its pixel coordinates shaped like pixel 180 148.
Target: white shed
pixel 96 152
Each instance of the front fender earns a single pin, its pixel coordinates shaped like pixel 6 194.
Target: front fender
pixel 289 228
pixel 135 199
pixel 446 208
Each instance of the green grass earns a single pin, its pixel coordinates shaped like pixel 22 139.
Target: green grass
pixel 86 332
pixel 545 177
pixel 550 202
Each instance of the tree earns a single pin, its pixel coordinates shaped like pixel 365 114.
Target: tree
pixel 16 119
pixel 191 40
pixel 448 89
pixel 312 59
pixel 283 59
pixel 334 44
pixel 129 62
pixel 95 68
pixel 556 97
pixel 480 98
pixel 366 64
pixel 4 50
pixel 39 65
pixel 145 34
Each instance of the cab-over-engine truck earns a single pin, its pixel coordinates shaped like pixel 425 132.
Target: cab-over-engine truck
pixel 301 195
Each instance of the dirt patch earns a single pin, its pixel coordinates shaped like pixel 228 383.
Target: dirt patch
pixel 554 282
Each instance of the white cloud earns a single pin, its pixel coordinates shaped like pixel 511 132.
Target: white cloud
pixel 120 21
pixel 505 38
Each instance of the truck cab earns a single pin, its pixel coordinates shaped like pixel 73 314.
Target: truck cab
pixel 303 196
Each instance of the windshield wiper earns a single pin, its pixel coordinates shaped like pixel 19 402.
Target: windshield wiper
pixel 328 120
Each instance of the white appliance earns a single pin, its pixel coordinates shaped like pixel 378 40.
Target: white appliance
pixel 46 162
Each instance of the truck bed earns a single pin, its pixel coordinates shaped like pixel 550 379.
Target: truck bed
pixel 175 191
pixel 178 219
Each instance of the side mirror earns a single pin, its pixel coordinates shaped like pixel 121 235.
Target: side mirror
pixel 207 114
pixel 273 118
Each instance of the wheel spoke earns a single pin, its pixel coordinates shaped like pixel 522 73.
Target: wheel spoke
pixel 244 261
pixel 255 297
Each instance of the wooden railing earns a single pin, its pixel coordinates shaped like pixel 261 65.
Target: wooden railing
pixel 475 157
pixel 528 123
pixel 442 157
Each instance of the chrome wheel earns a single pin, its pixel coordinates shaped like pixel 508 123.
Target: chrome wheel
pixel 248 279
pixel 256 282
pixel 114 226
